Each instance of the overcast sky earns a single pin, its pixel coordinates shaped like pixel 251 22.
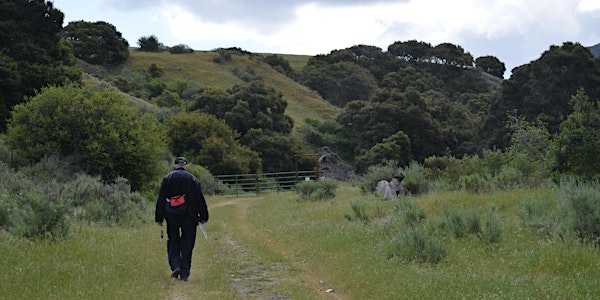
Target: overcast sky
pixel 515 31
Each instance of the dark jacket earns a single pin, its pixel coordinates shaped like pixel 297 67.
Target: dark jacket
pixel 181 182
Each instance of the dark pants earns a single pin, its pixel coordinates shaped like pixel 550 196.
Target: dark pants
pixel 181 231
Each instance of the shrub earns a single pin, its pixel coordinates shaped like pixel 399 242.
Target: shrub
pixel 181 49
pixel 317 190
pixel 413 240
pixel 207 180
pixel 41 207
pixel 222 56
pixel 377 173
pixel 508 177
pixel 492 232
pixel 580 205
pixel 444 167
pixel 463 222
pixel 38 218
pixel 246 73
pixel 416 180
pixel 473 222
pixel 475 183
pixel 117 203
pixel 416 244
pixel 4 213
pixel 537 216
pixel 360 212
pixel 97 211
pixel 411 214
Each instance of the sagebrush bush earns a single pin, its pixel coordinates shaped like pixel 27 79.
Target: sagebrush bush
pixel 117 197
pixel 417 178
pixel 580 205
pixel 377 173
pixel 508 177
pixel 443 167
pixel 317 190
pixel 40 201
pixel 207 180
pixel 463 222
pixel 536 215
pixel 246 73
pixel 360 212
pixel 492 231
pixel 97 211
pixel 4 213
pixel 414 240
pixel 416 244
pixel 38 218
pixel 410 213
pixel 474 183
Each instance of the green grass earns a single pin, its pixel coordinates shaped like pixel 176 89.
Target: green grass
pixel 94 263
pixel 199 69
pixel 279 247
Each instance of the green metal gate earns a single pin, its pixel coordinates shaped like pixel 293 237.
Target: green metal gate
pixel 255 184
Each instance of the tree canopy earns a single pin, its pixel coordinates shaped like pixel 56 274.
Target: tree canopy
pixel 209 142
pixel 542 89
pixel 491 64
pixel 95 127
pixel 246 106
pixel 150 44
pixel 578 143
pixel 340 83
pixel 96 42
pixel 33 52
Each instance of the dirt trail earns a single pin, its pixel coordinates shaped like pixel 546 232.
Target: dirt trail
pixel 252 278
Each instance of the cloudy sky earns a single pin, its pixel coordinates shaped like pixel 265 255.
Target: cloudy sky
pixel 515 31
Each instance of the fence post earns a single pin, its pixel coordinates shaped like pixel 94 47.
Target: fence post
pixel 256 184
pixel 237 187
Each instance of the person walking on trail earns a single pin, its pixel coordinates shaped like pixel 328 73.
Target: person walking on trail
pixel 181 203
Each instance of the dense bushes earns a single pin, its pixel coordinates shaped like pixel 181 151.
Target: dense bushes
pixel 96 127
pixel 417 180
pixel 573 210
pixel 44 204
pixel 317 190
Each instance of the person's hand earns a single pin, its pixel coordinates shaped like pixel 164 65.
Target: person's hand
pixel 159 223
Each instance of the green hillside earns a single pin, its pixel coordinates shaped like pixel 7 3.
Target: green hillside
pixel 199 69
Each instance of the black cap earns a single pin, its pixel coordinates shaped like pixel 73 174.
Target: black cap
pixel 181 160
pixel 399 175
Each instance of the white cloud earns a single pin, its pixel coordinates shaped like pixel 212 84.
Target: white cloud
pixel 589 6
pixel 187 27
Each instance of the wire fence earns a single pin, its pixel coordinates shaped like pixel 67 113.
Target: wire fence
pixel 257 184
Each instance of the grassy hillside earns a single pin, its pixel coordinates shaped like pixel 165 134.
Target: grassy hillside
pixel 297 62
pixel 199 69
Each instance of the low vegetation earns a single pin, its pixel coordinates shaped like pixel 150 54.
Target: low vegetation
pixel 406 248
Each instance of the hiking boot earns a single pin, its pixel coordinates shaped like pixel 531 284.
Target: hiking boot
pixel 176 273
pixel 184 278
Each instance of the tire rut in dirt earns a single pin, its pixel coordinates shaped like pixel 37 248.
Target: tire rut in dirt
pixel 252 278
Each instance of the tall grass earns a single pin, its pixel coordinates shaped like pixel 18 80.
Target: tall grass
pixel 353 256
pixel 97 263
pixel 280 248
